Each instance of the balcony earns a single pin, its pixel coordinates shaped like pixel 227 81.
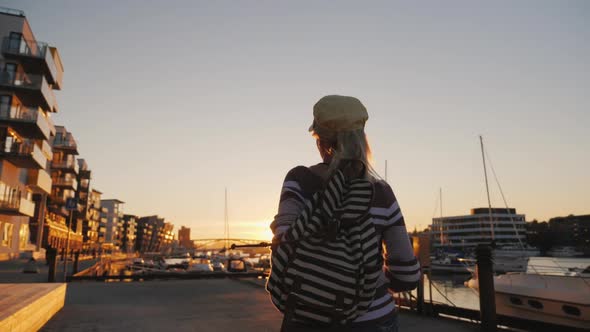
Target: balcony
pixel 29 122
pixel 35 56
pixel 46 149
pixel 23 154
pixel 70 166
pixel 39 181
pixel 31 89
pixel 67 143
pixel 13 203
pixel 66 183
pixel 60 196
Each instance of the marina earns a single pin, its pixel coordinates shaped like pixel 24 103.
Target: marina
pixel 116 179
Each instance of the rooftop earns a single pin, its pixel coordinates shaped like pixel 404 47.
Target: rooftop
pixel 11 11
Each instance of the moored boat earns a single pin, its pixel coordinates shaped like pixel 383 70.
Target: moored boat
pixel 552 294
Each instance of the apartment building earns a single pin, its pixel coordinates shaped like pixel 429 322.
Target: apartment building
pixel 184 237
pixel 154 234
pixel 82 215
pixel 29 72
pixel 113 213
pixel 91 229
pixel 128 233
pixel 144 233
pixel 150 242
pixel 166 237
pixel 64 177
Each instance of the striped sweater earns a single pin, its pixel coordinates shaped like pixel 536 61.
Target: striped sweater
pixel 401 270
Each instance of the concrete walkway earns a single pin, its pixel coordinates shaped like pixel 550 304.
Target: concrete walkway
pixel 11 271
pixel 189 305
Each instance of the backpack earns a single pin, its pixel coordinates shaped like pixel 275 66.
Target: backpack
pixel 325 267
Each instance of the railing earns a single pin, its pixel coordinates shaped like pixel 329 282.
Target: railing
pixel 39 179
pixel 25 47
pixel 21 79
pixel 27 207
pixel 46 149
pixel 9 196
pixel 23 148
pixel 29 81
pixel 66 142
pixel 32 48
pixel 63 194
pixel 14 199
pixel 29 114
pixel 66 182
pixel 11 11
pixel 69 164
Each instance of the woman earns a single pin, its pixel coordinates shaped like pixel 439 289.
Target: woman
pixel 338 128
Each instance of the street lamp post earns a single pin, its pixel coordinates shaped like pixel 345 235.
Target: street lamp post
pixel 71 204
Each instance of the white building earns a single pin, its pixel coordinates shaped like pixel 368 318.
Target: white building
pixel 505 227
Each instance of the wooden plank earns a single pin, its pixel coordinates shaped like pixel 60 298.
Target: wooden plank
pixel 27 307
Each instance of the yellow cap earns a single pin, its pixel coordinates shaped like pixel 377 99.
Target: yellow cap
pixel 339 113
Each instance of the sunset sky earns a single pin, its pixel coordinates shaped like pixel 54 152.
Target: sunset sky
pixel 172 101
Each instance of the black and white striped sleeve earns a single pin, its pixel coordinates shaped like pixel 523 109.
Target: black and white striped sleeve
pixel 291 204
pixel 401 268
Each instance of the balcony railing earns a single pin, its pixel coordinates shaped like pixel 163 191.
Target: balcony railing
pixel 67 142
pixel 39 52
pixel 39 181
pixel 60 197
pixel 70 164
pixel 24 154
pixel 25 47
pixel 16 12
pixel 30 83
pixel 66 182
pixel 47 150
pixel 29 121
pixel 14 202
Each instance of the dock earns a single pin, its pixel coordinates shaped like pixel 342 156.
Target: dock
pixel 190 305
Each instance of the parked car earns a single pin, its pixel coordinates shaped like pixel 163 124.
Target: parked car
pixel 201 265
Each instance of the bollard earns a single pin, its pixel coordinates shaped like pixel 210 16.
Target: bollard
pixel 51 257
pixel 487 294
pixel 76 260
pixel 431 310
pixel 420 295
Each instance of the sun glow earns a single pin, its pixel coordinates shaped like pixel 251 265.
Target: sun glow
pixel 253 230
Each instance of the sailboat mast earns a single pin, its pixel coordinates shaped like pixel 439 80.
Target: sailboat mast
pixel 386 170
pixel 226 222
pixel 485 172
pixel 441 216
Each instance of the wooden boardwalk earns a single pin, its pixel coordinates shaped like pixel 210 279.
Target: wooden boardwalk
pixel 27 307
pixel 189 305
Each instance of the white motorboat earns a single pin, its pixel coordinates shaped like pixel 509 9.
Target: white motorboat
pixel 546 293
pixel 564 252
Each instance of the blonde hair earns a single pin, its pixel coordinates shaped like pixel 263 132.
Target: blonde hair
pixel 348 145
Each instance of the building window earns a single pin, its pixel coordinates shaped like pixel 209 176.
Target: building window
pixel 10 72
pixel 5 103
pixel 6 237
pixel 23 236
pixel 17 43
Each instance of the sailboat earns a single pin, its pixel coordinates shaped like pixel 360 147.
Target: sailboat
pixel 448 260
pixel 508 257
pixel 546 294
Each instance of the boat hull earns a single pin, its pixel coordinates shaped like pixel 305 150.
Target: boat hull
pixel 449 269
pixel 558 300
